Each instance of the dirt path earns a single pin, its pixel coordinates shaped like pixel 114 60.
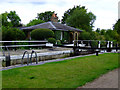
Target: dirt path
pixel 109 80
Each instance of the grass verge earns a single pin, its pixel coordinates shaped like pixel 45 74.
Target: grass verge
pixel 63 74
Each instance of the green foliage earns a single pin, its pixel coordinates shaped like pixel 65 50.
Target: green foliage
pixel 103 44
pixel 102 32
pixel 14 19
pixel 59 42
pixel 46 16
pixel 98 30
pixel 52 40
pixel 58 35
pixel 0 27
pixel 11 19
pixel 69 12
pixel 84 35
pixel 41 34
pixel 78 17
pixel 66 36
pixel 111 35
pixel 94 35
pixel 35 22
pixel 9 34
pixel 117 26
pixel 5 21
pixel 94 44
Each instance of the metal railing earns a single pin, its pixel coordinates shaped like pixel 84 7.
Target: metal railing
pixel 27 57
pixel 23 42
pixel 35 57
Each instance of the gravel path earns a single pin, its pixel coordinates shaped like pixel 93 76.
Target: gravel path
pixel 109 80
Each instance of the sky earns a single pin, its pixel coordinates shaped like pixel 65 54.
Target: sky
pixel 106 11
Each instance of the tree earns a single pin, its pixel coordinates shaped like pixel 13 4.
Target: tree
pixel 116 27
pixel 11 19
pixel 98 30
pixel 79 18
pixel 94 35
pixel 45 16
pixel 5 21
pixel 84 35
pixel 111 35
pixel 69 12
pixel 14 19
pixel 35 22
pixel 102 32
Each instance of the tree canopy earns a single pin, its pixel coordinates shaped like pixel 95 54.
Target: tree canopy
pixel 69 12
pixel 9 22
pixel 14 19
pixel 11 19
pixel 35 22
pixel 78 17
pixel 116 27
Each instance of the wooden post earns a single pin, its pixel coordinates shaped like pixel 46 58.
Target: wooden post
pixel 111 44
pixel 61 35
pixel 99 44
pixel 8 60
pixel 28 35
pixel 108 44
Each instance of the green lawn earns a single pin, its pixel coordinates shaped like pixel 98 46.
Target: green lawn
pixel 63 74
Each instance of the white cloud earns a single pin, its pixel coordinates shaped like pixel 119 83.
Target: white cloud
pixel 105 10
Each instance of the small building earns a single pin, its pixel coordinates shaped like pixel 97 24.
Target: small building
pixel 65 32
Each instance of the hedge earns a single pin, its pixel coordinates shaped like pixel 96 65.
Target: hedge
pixel 9 34
pixel 52 40
pixel 41 34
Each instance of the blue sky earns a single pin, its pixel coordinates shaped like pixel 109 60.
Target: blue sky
pixel 106 11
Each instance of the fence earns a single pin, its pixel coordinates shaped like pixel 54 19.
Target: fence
pixel 96 43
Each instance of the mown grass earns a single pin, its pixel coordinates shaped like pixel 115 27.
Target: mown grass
pixel 63 74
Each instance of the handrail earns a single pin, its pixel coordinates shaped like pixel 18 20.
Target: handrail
pixel 24 41
pixel 27 57
pixel 93 40
pixel 24 45
pixel 43 43
pixel 35 57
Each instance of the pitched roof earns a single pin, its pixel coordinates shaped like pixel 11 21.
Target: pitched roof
pixel 52 26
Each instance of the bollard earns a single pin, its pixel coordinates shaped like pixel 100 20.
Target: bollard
pixel 96 53
pixel 76 51
pixel 8 61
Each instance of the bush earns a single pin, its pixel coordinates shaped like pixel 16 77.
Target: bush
pixel 66 36
pixel 59 42
pixel 84 35
pixel 9 34
pixel 52 40
pixel 58 35
pixel 42 34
